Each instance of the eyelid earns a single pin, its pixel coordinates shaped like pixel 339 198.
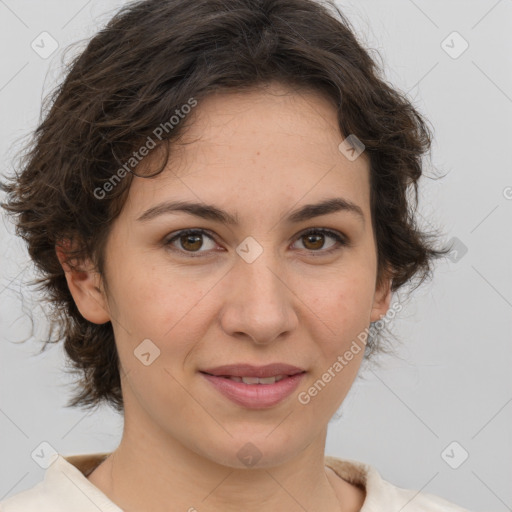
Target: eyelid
pixel 341 240
pixel 167 241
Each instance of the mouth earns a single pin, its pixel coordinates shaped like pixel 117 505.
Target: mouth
pixel 255 387
pixel 247 372
pixel 252 380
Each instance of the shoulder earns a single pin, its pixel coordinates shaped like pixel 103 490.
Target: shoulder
pixel 381 494
pixel 65 487
pixel 410 500
pixel 34 499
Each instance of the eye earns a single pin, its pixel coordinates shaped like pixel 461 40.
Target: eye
pixel 190 241
pixel 315 239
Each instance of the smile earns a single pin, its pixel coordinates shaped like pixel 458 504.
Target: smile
pixel 255 392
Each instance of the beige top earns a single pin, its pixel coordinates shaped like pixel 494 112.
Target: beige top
pixel 65 488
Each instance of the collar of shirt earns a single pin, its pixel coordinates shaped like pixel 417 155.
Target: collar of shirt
pixel 66 487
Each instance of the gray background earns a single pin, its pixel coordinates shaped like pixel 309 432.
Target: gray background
pixel 453 382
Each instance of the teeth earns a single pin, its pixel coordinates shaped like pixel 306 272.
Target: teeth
pixel 256 380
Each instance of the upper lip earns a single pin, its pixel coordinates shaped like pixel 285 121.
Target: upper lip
pixel 247 370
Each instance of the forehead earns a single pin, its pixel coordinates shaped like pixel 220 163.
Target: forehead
pixel 257 145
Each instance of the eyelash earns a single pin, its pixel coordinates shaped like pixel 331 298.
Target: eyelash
pixel 341 239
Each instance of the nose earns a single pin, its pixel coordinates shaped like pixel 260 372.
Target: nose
pixel 260 306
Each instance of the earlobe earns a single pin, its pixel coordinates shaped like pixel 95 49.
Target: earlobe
pixel 85 285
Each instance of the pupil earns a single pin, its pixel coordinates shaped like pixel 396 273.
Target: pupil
pixel 190 238
pixel 316 240
pixel 319 239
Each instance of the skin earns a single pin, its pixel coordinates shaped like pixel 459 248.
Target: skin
pixel 260 154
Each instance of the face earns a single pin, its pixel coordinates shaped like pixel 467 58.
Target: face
pixel 269 287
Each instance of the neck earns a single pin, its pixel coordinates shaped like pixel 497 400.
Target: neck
pixel 151 471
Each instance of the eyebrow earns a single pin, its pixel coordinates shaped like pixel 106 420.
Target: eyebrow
pixel 211 212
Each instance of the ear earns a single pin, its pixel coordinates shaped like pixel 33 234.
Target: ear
pixel 381 299
pixel 85 285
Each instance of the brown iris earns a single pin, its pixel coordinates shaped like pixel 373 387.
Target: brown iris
pixel 318 241
pixel 191 242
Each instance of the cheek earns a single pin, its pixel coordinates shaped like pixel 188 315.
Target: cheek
pixel 170 310
pixel 342 304
pixel 338 328
pixel 154 299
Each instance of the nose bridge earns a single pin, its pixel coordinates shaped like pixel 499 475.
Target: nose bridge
pixel 260 304
pixel 257 261
pixel 261 287
pixel 261 277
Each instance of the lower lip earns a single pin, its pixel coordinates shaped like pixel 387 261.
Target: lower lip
pixel 256 396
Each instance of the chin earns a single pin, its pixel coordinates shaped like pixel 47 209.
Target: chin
pixel 253 452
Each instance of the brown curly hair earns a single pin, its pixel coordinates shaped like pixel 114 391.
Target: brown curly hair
pixel 148 61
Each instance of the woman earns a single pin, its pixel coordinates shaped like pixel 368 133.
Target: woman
pixel 218 200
